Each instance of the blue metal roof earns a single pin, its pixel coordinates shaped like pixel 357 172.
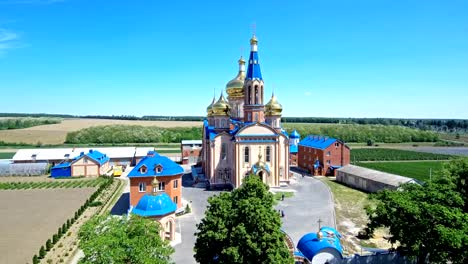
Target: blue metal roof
pixel 155 205
pixel 318 142
pixel 96 156
pixel 253 69
pixel 257 168
pixel 293 149
pixel 310 245
pixel 169 167
pixel 62 165
pixel 294 134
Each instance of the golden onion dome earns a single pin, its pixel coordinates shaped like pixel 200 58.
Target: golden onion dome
pixel 235 87
pixel 253 40
pixel 221 107
pixel 273 107
pixel 209 109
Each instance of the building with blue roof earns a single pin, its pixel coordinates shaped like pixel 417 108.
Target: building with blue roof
pixel 242 134
pixel 93 163
pixel 155 174
pixel 294 138
pixel 322 155
pixel 321 247
pixel 156 191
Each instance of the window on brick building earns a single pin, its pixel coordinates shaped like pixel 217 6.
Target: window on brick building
pixel 176 184
pixel 328 153
pixel 142 187
pixel 161 186
pixel 328 162
pixel 176 199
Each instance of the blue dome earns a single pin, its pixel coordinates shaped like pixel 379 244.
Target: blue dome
pixel 294 134
pixel 310 245
pixel 155 205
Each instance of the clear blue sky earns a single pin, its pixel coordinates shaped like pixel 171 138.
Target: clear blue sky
pixel 326 58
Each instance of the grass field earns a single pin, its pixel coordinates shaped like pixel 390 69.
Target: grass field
pixel 56 133
pixel 6 155
pixel 383 154
pixel 30 217
pixel 351 216
pixel 417 169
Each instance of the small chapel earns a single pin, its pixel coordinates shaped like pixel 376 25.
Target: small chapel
pixel 242 135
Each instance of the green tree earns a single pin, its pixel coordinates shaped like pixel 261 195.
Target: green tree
pixel 48 245
pixel 242 227
pixel 430 222
pixel 106 239
pixel 35 260
pixel 42 252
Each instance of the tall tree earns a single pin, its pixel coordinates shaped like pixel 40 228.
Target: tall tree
pixel 106 239
pixel 429 221
pixel 242 227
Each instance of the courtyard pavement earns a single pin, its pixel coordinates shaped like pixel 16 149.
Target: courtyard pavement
pixel 312 201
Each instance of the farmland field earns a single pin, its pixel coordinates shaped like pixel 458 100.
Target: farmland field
pixel 414 169
pixel 383 154
pixel 30 217
pixel 56 133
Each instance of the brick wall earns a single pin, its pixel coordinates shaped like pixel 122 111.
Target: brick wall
pixel 135 194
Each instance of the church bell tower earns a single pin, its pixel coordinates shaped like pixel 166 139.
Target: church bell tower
pixel 253 87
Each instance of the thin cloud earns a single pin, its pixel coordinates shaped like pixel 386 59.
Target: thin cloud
pixel 307 93
pixel 8 40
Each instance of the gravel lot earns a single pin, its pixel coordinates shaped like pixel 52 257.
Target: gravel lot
pixel 30 217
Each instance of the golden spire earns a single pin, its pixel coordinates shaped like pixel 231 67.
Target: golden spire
pixel 221 107
pixel 273 107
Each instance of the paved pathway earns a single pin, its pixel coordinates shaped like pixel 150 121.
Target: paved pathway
pixel 312 201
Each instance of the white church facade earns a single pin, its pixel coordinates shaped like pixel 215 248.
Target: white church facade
pixel 242 135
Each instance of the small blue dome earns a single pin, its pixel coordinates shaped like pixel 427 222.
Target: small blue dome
pixel 310 245
pixel 155 205
pixel 294 134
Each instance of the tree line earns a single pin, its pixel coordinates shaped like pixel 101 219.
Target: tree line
pixel 442 125
pixel 364 133
pixel 133 134
pixel 16 123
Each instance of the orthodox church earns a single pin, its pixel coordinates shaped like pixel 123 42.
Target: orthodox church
pixel 242 135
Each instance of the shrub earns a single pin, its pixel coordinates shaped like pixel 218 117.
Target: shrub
pixel 188 209
pixel 54 239
pixel 42 252
pixel 48 245
pixel 35 260
pixel 370 142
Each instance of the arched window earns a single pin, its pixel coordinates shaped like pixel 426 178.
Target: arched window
pixel 256 117
pixel 268 154
pixel 223 123
pixel 223 151
pixel 246 154
pixel 249 95
pixel 256 94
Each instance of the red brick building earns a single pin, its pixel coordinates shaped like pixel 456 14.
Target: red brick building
pixel 321 155
pixel 191 151
pixel 155 173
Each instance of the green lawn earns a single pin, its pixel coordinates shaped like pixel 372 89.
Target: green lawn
pixel 417 169
pixel 383 154
pixel 6 155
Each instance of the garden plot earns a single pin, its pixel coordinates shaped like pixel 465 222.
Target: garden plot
pixel 30 217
